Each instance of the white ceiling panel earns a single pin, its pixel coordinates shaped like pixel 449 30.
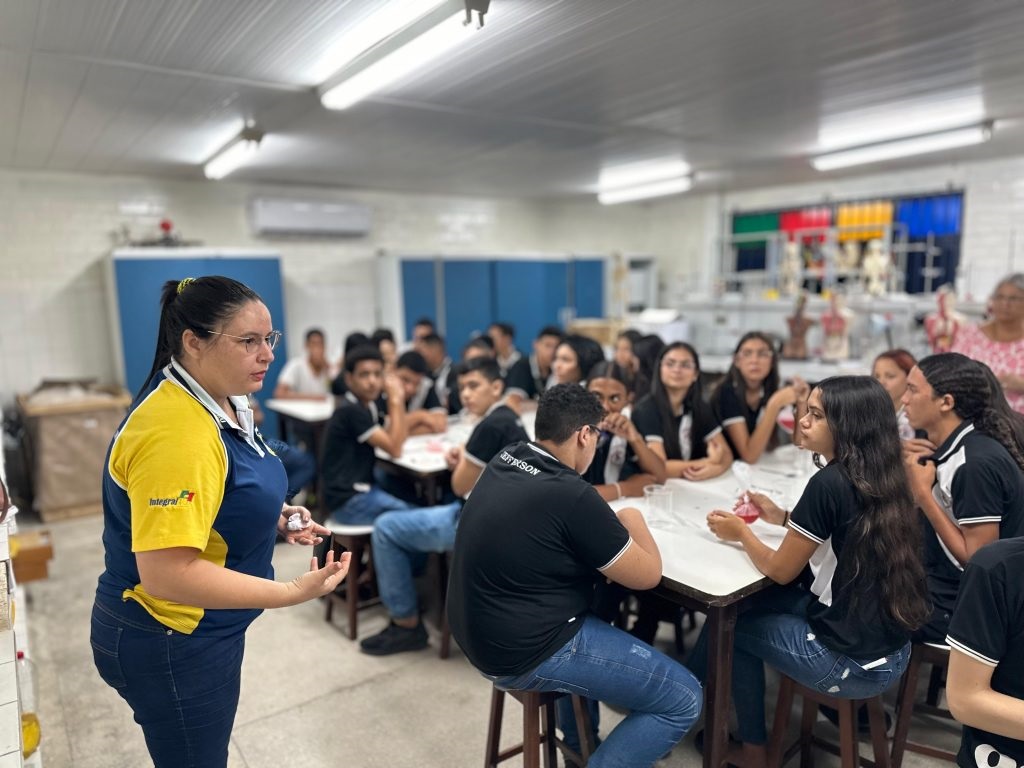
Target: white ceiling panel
pixel 533 104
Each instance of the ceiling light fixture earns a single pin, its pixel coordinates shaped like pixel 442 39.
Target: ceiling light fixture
pixel 410 48
pixel 234 155
pixel 645 191
pixel 917 145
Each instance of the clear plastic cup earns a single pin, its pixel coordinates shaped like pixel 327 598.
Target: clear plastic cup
pixel 658 503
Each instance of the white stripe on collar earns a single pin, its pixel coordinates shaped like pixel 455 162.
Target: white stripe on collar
pixel 964 430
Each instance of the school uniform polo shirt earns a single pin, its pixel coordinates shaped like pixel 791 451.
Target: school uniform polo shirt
pixel 826 514
pixel 988 626
pixel 530 543
pixel 524 379
pixel 648 422
pixel 179 473
pixel 976 481
pixel 499 427
pixel 348 458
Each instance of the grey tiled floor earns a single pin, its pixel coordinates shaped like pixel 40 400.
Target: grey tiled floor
pixel 309 698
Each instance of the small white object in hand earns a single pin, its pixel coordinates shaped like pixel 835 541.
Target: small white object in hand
pixel 295 522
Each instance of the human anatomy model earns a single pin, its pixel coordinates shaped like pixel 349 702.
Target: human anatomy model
pixel 791 269
pixel 795 347
pixel 875 270
pixel 941 326
pixel 835 324
pixel 849 257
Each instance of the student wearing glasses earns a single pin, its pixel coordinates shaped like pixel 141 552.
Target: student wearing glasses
pixel 749 399
pixel 999 343
pixel 677 423
pixel 193 499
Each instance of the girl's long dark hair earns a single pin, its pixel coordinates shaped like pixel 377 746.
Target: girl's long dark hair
pixel 588 352
pixel 647 350
pixel 734 379
pixel 693 401
pixel 200 305
pixel 977 398
pixel 883 551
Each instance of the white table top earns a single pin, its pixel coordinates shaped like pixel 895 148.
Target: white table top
pixel 425 454
pixel 694 557
pixel 312 411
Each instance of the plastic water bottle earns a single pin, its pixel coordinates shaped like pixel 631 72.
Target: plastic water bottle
pixel 30 732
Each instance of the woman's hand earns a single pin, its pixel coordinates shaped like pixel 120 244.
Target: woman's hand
pixel 620 426
pixel 452 456
pixel 725 525
pixel 783 397
pixel 311 533
pixel 920 446
pixel 770 511
pixel 318 581
pixel 701 469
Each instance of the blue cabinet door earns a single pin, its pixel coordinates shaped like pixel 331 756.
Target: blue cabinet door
pixel 419 292
pixel 468 301
pixel 530 295
pixel 588 287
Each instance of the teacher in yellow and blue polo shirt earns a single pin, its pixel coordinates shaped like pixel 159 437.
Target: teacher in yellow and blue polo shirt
pixel 193 500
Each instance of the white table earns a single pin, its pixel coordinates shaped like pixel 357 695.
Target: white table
pixel 716 577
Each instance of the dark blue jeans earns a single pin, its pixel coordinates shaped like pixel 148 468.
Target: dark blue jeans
pixel 182 689
pixel 776 632
pixel 606 664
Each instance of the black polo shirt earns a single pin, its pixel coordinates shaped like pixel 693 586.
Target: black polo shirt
pixel 988 626
pixel 647 419
pixel 519 380
pixel 530 543
pixel 348 457
pixel 499 427
pixel 976 481
pixel 826 513
pixel 614 461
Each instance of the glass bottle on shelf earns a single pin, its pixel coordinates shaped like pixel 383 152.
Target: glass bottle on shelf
pixel 30 731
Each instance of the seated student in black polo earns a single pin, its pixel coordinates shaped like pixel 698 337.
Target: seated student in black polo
pixel 424 412
pixel 400 538
pixel 528 377
pixel 971 489
pixel 432 347
pixel 533 540
pixel 354 431
pixel 478 346
pixel 985 683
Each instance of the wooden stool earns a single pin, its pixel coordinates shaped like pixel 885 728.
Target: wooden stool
pixel 937 655
pixel 537 704
pixel 847 750
pixel 355 539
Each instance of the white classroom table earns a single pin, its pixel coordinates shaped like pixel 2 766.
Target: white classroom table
pixel 704 573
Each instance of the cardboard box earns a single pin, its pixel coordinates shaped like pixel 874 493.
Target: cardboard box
pixel 66 446
pixel 31 554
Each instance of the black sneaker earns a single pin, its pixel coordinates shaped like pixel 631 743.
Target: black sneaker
pixel 395 639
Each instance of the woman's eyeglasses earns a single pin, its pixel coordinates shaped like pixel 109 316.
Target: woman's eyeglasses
pixel 252 343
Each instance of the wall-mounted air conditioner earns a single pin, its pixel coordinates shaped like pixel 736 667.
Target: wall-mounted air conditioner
pixel 290 216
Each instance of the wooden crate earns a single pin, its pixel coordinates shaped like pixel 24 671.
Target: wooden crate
pixel 33 552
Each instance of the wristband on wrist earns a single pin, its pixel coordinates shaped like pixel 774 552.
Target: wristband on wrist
pixel 618 490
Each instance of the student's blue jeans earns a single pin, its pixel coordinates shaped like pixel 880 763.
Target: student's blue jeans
pixel 776 632
pixel 399 541
pixel 365 508
pixel 182 689
pixel 607 664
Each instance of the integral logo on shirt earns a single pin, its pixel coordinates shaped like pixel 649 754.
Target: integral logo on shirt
pixel 184 497
pixel 519 464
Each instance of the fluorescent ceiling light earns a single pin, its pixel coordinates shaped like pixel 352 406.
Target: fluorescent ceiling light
pixel 633 174
pixel 917 145
pixel 234 155
pixel 645 191
pixel 423 41
pixel 900 120
pixel 367 32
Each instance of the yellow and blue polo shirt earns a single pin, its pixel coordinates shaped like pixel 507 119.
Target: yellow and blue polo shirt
pixel 179 473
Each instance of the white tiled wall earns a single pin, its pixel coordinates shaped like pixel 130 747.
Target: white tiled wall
pixel 57 230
